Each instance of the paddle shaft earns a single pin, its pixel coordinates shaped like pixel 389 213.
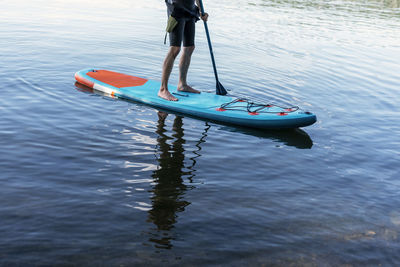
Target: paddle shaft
pixel 220 89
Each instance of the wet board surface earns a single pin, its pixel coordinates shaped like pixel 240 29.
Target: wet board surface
pixel 226 109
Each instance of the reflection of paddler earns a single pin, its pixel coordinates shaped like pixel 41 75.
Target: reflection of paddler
pixel 169 188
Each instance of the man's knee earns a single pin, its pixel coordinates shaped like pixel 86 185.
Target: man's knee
pixel 189 49
pixel 174 51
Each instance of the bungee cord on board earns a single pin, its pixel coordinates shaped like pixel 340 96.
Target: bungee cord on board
pixel 244 104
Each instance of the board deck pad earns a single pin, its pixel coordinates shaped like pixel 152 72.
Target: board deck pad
pixel 116 79
pixel 226 109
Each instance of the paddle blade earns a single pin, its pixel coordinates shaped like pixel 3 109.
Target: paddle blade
pixel 220 89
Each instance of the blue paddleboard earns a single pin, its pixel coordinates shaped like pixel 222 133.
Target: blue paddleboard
pixel 226 109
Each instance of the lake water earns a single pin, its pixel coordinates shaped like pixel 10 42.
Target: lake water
pixel 89 180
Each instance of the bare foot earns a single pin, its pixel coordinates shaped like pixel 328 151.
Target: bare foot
pixel 165 94
pixel 187 88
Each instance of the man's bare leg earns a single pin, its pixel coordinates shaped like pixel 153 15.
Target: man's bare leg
pixel 183 70
pixel 166 72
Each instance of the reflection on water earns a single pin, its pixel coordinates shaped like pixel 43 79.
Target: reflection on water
pixel 169 189
pixel 291 137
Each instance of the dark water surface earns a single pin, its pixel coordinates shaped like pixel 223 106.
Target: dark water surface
pixel 90 180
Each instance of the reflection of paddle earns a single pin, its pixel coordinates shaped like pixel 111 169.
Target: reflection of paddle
pixel 220 90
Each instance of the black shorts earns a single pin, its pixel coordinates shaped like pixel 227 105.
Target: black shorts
pixel 184 31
